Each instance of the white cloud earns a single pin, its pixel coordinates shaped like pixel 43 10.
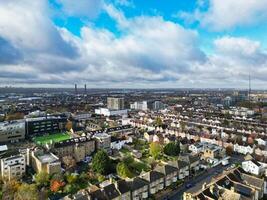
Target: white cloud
pixel 82 8
pixel 227 14
pixel 126 3
pixel 148 52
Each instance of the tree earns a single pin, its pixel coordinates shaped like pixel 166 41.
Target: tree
pixel 128 160
pixel 83 178
pixel 71 178
pixel 42 179
pixel 158 121
pixel 172 149
pixel 229 150
pixel 101 162
pixel 155 150
pixel 68 126
pixel 9 189
pixel 56 185
pixel 123 170
pixel 27 192
pixel 70 189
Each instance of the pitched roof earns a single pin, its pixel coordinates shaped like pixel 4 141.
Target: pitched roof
pixel 123 186
pixel 138 183
pixel 256 162
pixel 167 169
pixel 152 176
pixel 111 192
pixel 97 195
pixel 253 181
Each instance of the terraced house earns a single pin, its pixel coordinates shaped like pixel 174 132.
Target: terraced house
pixel 155 180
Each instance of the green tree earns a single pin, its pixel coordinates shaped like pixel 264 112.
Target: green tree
pixel 27 192
pixel 123 170
pixel 101 162
pixel 158 121
pixel 155 150
pixel 42 179
pixel 172 149
pixel 71 178
pixel 71 188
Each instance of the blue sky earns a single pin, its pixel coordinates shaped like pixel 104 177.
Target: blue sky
pixel 133 43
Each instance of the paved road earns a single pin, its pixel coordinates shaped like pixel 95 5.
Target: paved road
pixel 205 177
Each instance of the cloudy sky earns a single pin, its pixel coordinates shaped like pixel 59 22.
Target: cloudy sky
pixel 133 43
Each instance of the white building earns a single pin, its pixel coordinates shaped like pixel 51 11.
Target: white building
pixel 107 112
pixel 139 105
pixel 13 164
pixel 253 167
pixel 118 143
pixel 12 131
pixel 243 149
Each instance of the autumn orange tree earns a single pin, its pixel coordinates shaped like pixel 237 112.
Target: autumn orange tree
pixel 56 185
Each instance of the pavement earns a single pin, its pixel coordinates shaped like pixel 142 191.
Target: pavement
pixel 198 180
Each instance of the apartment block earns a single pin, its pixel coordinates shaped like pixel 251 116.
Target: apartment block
pixel 13 164
pixel 12 131
pixel 114 103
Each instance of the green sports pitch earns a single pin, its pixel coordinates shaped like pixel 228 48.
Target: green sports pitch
pixel 42 140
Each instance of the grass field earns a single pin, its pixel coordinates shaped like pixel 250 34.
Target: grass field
pixel 54 137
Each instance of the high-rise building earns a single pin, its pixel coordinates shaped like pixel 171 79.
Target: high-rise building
pixel 155 105
pixel 114 103
pixel 139 105
pixel 76 90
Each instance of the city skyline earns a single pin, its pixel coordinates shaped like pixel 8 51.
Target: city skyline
pixel 132 44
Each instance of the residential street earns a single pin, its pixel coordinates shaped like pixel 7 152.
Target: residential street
pixel 202 178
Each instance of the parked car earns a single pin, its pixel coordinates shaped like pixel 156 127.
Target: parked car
pixel 189 185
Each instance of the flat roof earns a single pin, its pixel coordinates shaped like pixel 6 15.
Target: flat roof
pixel 3 147
pixel 47 158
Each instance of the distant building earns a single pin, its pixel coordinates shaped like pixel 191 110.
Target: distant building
pixel 155 105
pixel 114 103
pixel 13 164
pixel 139 105
pixel 12 131
pixel 107 112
